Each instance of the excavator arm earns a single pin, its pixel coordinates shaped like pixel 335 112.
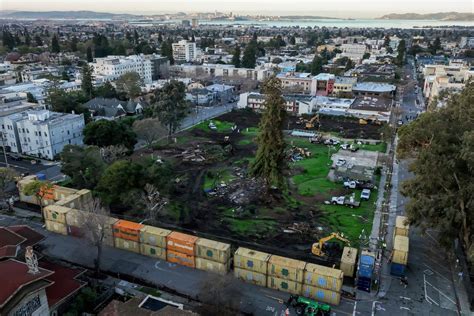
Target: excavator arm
pixel 317 248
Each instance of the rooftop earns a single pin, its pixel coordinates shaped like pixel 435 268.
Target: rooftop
pixel 372 104
pixel 374 87
pixel 324 76
pixel 32 236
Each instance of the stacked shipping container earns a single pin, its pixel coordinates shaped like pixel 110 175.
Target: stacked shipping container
pixel 365 271
pixel 400 246
pixel 251 266
pixel 180 249
pixel 212 256
pixel 55 218
pixel 348 261
pixel 127 235
pixel 153 241
pixel 322 283
pixel 285 274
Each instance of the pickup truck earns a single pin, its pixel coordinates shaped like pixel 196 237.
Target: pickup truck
pixel 354 184
pixel 345 200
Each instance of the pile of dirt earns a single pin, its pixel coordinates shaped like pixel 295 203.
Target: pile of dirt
pixel 242 118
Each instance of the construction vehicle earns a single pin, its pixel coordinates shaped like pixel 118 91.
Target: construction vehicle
pixel 317 248
pixel 307 307
pixel 312 121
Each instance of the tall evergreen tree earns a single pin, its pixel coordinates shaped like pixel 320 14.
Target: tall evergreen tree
pixel 236 57
pixel 8 40
pixel 89 57
pixel 27 38
pixel 38 40
pixel 74 41
pixel 270 161
pixel 250 55
pixel 86 83
pixel 55 44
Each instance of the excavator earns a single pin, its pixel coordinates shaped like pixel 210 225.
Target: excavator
pixel 317 248
pixel 310 123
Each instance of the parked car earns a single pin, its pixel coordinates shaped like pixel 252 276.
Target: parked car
pixel 331 141
pixel 212 126
pixel 340 162
pixel 365 194
pixel 354 184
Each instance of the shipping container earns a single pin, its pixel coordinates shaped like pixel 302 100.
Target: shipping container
pixel 127 230
pixel 69 201
pixel 212 250
pixel 364 284
pixel 127 244
pixel 85 197
pixel 154 236
pixel 180 258
pixel 400 250
pixel 397 269
pixel 286 268
pixel 75 231
pixel 62 192
pixel 284 285
pixel 348 261
pixel 152 251
pixel 182 243
pixel 252 260
pixel 212 266
pixel 321 295
pixel 250 276
pixel 75 217
pixel 56 213
pixel 109 240
pixel 56 227
pixel 401 229
pixel 323 277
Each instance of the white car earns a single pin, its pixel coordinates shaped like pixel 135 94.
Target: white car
pixel 365 194
pixel 340 162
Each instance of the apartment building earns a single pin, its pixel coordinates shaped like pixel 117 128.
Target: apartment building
pixel 323 84
pixel 218 70
pixel 110 68
pixel 42 133
pixel 297 82
pixel 445 77
pixel 353 51
pixel 294 104
pixel 185 51
pixel 343 85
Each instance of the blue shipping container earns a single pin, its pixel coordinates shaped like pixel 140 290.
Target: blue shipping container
pixel 397 269
pixel 367 260
pixel 41 176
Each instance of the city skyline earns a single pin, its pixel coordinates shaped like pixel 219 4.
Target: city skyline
pixel 363 9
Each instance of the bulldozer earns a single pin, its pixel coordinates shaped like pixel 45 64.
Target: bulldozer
pixel 310 124
pixel 317 248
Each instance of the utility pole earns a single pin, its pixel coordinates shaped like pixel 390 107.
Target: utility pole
pixel 4 149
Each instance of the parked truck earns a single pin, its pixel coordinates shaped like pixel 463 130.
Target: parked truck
pixel 349 201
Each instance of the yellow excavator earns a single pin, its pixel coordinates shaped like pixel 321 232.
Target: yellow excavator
pixel 310 123
pixel 317 248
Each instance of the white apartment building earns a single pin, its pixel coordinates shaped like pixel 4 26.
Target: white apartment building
pixel 445 77
pixel 185 51
pixel 353 51
pixel 110 68
pixel 226 71
pixel 42 133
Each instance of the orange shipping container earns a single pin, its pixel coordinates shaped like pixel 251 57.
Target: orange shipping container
pixel 127 230
pixel 182 243
pixel 180 258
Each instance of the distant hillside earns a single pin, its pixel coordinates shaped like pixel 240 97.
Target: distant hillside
pixel 442 16
pixel 62 15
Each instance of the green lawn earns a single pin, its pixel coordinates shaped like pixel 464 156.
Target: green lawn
pixel 380 147
pixel 244 142
pixel 251 227
pixel 222 126
pixel 218 176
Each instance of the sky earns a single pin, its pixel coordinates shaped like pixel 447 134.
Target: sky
pixel 334 8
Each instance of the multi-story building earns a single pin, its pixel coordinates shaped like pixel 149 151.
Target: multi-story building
pixel 323 84
pixel 343 85
pixel 467 42
pixel 160 66
pixel 42 133
pixel 298 82
pixel 218 70
pixel 294 104
pixel 185 51
pixel 353 51
pixel 110 68
pixel 445 77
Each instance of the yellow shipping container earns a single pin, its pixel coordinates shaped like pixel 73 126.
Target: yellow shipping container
pixel 284 285
pixel 348 261
pixel 400 228
pixel 400 250
pixel 250 276
pixel 128 245
pixel 212 250
pixel 69 201
pixel 252 260
pixel 154 236
pixel 212 266
pixel 74 218
pixel 56 227
pixel 56 213
pixel 323 277
pixel 321 295
pixel 286 268
pixel 153 251
pixel 62 192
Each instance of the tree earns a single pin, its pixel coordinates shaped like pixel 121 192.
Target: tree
pixel 89 56
pixel 8 40
pixel 236 57
pixel 27 38
pixel 292 40
pixel 106 90
pixel 120 183
pixel 38 40
pixel 7 177
pixel 316 66
pixel 435 46
pixel 249 59
pixel 31 98
pixel 171 107
pixel 386 42
pixel 83 165
pixel 86 82
pixel 55 48
pixel 39 189
pixel 167 50
pixel 105 133
pixel 270 160
pixel 366 56
pixel 401 53
pixel 349 65
pixel 112 153
pixel 129 83
pixel 94 221
pixel 74 42
pixel 441 191
pixel 153 202
pixel 149 130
